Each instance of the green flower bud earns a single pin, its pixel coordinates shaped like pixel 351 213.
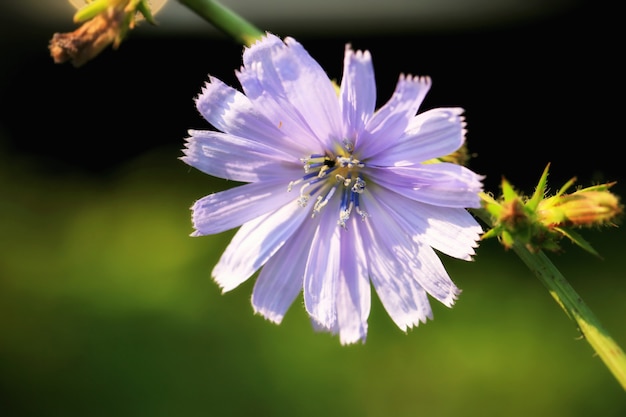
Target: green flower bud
pixel 540 222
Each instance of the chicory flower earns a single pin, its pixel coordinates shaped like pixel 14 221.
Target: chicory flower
pixel 338 197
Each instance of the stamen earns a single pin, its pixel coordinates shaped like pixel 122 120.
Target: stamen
pixel 345 208
pixel 303 200
pixel 316 182
pixel 344 215
pixel 313 161
pixel 356 199
pixel 292 183
pixel 318 157
pixel 322 201
pixel 359 186
pixel 362 213
pixel 305 177
pixel 346 181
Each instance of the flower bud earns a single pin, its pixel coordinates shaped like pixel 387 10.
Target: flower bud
pixel 540 222
pixel 581 208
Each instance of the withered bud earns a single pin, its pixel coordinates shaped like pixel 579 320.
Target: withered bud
pixel 90 39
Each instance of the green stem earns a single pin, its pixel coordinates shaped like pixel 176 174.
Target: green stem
pixel 573 305
pixel 225 19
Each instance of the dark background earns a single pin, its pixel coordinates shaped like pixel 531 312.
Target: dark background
pixel 106 303
pixel 535 91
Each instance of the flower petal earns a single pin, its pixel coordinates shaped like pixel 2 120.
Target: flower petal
pixel 280 280
pixel 353 298
pixel 432 134
pixel 228 209
pixel 391 120
pixel 320 276
pixel 236 158
pixel 254 243
pixel 291 89
pixel 263 87
pixel 232 112
pixel 404 299
pixel 358 91
pixel 453 231
pixel 413 254
pixel 440 184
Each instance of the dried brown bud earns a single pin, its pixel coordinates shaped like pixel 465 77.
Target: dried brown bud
pixel 90 39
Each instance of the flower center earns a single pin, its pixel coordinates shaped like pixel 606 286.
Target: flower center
pixel 324 174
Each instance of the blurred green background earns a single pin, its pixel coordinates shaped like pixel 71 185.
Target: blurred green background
pixel 106 304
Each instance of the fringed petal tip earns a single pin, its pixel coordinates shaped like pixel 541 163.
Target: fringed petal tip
pixel 442 290
pixel 427 314
pixel 187 151
pixel 352 341
pixel 407 326
pixel 209 89
pixel 267 35
pixel 346 336
pixel 271 316
pixel 358 54
pixel 423 80
pixel 450 300
pixel 223 285
pixel 267 38
pixel 410 321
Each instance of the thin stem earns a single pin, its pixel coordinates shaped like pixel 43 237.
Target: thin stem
pixel 573 305
pixel 225 19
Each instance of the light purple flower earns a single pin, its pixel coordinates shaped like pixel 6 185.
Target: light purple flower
pixel 337 196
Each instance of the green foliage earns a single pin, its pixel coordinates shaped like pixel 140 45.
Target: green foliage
pixel 107 308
